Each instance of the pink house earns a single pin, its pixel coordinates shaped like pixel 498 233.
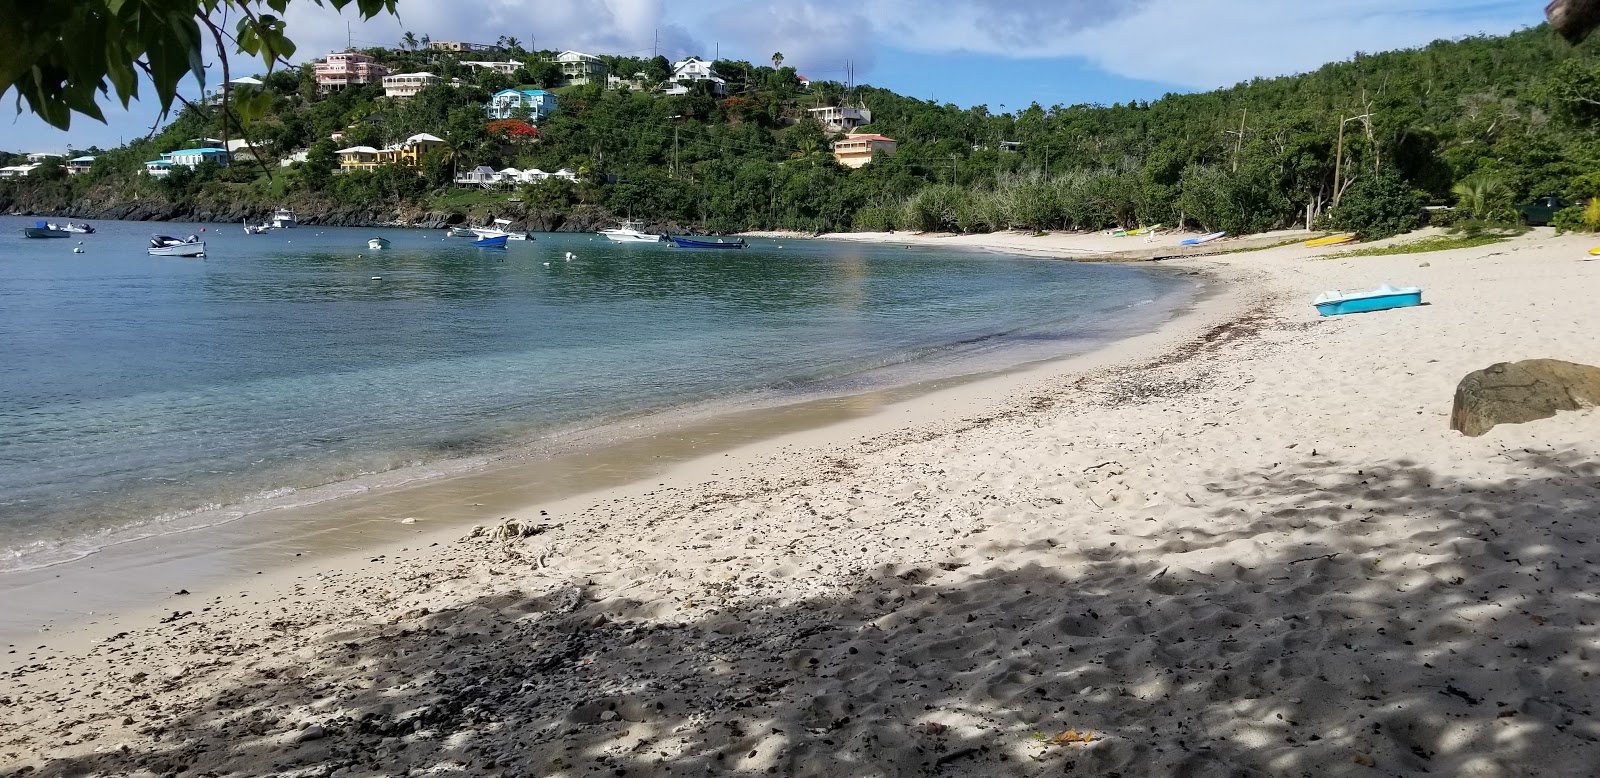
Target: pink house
pixel 342 70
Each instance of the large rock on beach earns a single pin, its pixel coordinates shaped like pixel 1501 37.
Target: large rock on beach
pixel 1519 392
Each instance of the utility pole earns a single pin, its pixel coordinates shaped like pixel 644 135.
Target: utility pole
pixel 656 52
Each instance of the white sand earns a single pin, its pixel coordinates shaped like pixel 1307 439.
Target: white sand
pixel 1260 553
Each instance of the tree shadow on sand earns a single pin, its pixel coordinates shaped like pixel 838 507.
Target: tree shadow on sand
pixel 1302 640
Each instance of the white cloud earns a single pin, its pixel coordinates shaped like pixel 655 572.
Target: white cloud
pixel 816 38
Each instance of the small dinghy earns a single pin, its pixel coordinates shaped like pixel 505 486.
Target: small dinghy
pixel 496 242
pixel 719 243
pixel 1335 303
pixel 42 229
pixel 1203 239
pixel 168 246
pixel 378 243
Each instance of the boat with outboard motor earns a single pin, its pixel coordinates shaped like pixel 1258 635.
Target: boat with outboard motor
pixel 629 232
pixel 168 246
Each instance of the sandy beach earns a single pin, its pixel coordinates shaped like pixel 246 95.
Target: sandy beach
pixel 1247 544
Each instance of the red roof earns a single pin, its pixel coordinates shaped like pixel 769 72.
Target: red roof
pixel 869 137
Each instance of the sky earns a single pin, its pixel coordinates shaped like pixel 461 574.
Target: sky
pixel 1005 54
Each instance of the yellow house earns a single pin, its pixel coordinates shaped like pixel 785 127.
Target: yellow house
pixel 358 158
pixel 412 151
pixel 856 150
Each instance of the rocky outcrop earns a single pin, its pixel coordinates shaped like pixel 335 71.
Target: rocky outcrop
pixel 1519 392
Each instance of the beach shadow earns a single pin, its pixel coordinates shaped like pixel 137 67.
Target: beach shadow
pixel 1294 638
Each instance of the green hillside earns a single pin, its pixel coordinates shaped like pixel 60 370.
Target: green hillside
pixel 1520 109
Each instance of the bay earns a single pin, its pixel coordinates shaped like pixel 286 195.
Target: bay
pixel 138 393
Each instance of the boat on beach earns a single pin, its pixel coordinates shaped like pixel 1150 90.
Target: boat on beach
pixel 283 219
pixel 1203 239
pixel 168 246
pixel 42 229
pixel 377 244
pixel 1336 303
pixel 1331 240
pixel 629 232
pixel 719 243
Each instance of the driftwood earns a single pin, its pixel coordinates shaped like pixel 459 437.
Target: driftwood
pixel 1574 19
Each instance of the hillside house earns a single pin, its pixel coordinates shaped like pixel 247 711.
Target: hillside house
pixel 503 68
pixel 19 171
pixel 402 86
pixel 856 151
pixel 341 70
pixel 462 46
pixel 79 165
pixel 841 118
pixel 506 104
pixel 358 158
pixel 686 73
pixel 578 68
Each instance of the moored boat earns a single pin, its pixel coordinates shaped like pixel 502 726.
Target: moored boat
pixel 168 246
pixel 498 230
pixel 257 229
pixel 75 229
pixel 461 232
pixel 41 229
pixel 1336 303
pixel 378 243
pixel 494 242
pixel 283 219
pixel 629 232
pixel 719 243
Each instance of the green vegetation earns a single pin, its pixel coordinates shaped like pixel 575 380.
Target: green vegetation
pixel 1473 121
pixel 1435 243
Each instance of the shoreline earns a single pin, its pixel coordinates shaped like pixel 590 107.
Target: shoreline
pixel 1242 543
pixel 212 547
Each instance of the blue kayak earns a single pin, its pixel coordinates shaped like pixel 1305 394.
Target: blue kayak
pixel 497 242
pixel 1336 303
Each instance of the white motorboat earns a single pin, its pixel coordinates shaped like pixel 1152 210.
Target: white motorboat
pixel 460 232
pixel 378 243
pixel 283 219
pixel 629 232
pixel 75 229
pixel 256 229
pixel 168 246
pixel 498 230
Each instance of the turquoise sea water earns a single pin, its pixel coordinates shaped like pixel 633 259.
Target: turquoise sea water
pixel 136 391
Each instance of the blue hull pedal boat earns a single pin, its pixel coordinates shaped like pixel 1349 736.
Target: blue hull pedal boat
pixel 1383 298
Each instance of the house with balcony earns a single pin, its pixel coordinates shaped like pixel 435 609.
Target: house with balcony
pixel 578 68
pixel 687 73
pixel 856 151
pixel 462 46
pixel 19 171
pixel 503 68
pixel 346 69
pixel 358 158
pixel 403 86
pixel 77 166
pixel 508 103
pixel 841 118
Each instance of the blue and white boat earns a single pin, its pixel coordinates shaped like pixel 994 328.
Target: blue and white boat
pixel 1203 239
pixel 719 243
pixel 1335 303
pixel 496 242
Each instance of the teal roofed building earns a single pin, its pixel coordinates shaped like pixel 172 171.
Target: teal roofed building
pixel 185 157
pixel 506 104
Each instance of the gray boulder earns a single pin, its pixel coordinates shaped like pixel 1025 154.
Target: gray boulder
pixel 1519 392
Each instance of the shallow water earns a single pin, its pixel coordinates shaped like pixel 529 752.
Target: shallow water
pixel 137 391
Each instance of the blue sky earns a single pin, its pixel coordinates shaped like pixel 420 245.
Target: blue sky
pixel 967 52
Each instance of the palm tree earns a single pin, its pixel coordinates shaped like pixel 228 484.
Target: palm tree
pixel 1483 195
pixel 513 43
pixel 408 41
pixel 777 60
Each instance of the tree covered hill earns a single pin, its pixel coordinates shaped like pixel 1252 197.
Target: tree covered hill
pixel 1521 108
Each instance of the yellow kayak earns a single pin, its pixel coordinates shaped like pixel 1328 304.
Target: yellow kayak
pixel 1145 230
pixel 1594 252
pixel 1331 240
